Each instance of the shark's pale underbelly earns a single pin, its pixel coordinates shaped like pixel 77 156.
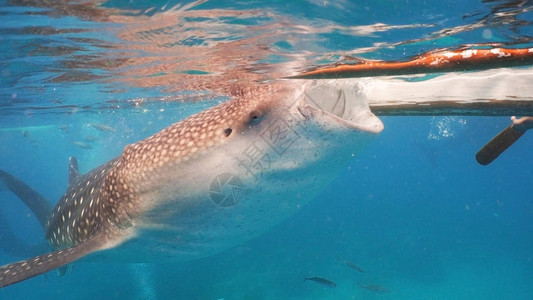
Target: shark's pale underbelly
pixel 222 200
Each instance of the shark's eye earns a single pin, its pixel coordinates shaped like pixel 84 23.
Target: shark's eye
pixel 227 131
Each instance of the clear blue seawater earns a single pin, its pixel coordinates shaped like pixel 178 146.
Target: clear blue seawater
pixel 414 210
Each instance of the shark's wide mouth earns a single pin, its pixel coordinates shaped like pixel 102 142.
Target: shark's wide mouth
pixel 344 103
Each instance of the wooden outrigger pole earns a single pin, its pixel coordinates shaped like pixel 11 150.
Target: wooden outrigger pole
pixel 432 62
pixel 491 91
pixel 487 93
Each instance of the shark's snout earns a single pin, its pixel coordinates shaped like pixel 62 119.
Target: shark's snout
pixel 342 103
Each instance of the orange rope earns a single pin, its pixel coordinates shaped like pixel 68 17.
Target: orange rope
pixel 445 61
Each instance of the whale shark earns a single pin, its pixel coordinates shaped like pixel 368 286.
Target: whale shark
pixel 208 182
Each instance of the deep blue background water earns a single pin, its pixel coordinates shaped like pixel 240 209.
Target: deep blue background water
pixel 414 210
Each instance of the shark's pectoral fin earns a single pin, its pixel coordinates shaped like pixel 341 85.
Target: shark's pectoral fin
pixel 25 269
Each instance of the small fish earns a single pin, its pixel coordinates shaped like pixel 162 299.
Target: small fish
pixel 351 265
pixel 354 266
pixel 375 288
pixel 322 281
pixel 83 145
pixel 102 127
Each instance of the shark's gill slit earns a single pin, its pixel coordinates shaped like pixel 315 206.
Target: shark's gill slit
pixel 227 131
